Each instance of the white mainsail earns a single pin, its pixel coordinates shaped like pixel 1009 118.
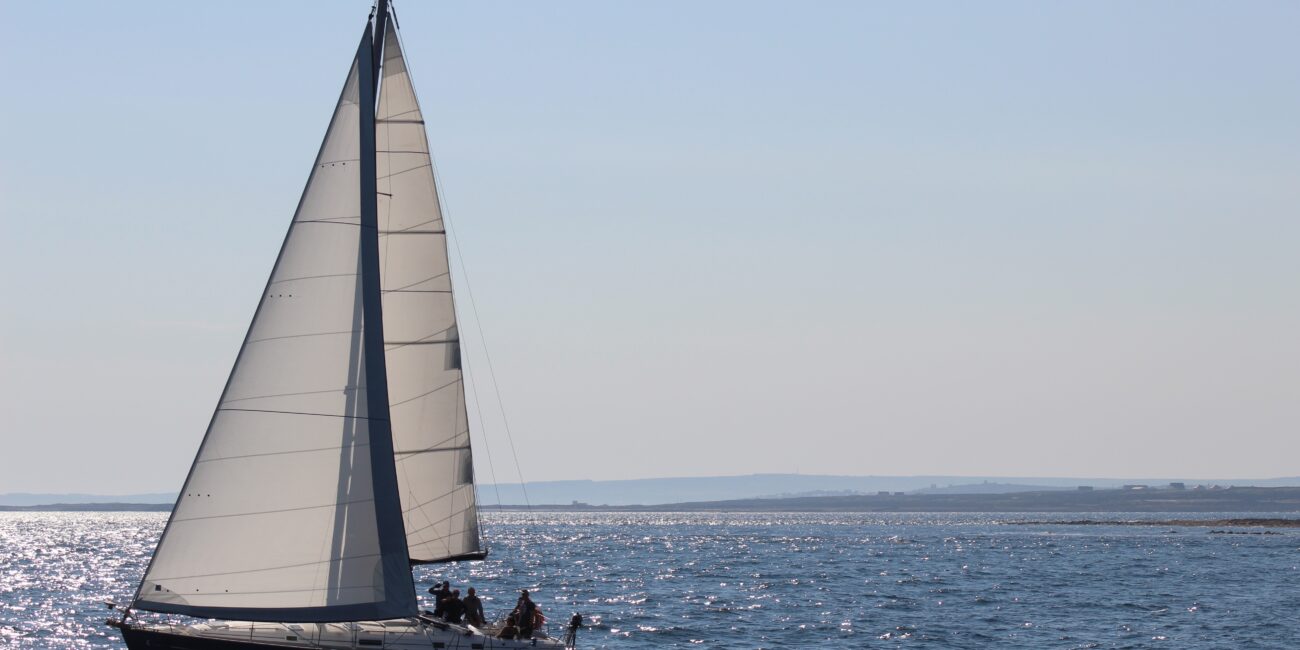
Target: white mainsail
pixel 425 384
pixel 290 512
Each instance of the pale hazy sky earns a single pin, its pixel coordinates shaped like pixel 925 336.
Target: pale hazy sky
pixel 705 238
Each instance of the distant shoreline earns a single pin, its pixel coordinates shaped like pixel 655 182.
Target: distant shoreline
pixel 91 507
pixel 1253 522
pixel 1236 499
pixel 1227 500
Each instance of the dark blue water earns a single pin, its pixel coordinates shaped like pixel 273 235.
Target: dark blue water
pixel 768 581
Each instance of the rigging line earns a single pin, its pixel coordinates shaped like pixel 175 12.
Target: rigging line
pixel 401 344
pixel 445 441
pixel 317 277
pixel 404 171
pixel 428 279
pixel 422 339
pixel 328 221
pixel 430 450
pixel 282 453
pixel 281 591
pixel 422 223
pixel 449 440
pixel 440 497
pixel 404 112
pixel 424 394
pixel 270 568
pixel 478 410
pixel 298 394
pixel 319 415
pixel 300 336
pixel 340 160
pixel 435 523
pixel 496 388
pixel 277 511
pixel 392 168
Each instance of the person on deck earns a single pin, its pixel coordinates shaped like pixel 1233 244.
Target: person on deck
pixel 440 593
pixel 453 608
pixel 474 609
pixel 525 610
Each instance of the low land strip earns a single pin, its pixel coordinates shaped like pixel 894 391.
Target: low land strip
pixel 1252 500
pixel 1236 499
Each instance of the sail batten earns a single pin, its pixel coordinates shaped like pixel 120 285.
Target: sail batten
pixel 422 343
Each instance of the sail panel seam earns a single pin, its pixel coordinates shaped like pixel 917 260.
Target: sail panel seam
pixel 405 171
pixel 346 389
pixel 429 451
pixel 428 279
pixel 300 336
pixel 282 453
pixel 423 223
pixel 320 415
pixel 278 591
pixel 327 222
pixel 439 521
pixel 424 394
pixel 413 110
pixel 272 512
pixel 340 160
pixel 315 277
pixel 272 568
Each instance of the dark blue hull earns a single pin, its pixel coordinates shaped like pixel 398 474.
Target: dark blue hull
pixel 137 639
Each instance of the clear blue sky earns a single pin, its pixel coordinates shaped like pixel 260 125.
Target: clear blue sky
pixel 705 238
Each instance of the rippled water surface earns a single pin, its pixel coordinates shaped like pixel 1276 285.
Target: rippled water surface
pixel 767 581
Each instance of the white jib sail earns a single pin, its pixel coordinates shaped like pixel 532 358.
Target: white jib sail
pixel 426 390
pixel 277 520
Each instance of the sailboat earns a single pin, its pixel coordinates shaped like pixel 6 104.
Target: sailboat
pixel 338 456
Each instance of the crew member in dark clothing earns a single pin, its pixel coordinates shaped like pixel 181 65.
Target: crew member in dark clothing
pixel 525 610
pixel 440 593
pixel 453 609
pixel 474 609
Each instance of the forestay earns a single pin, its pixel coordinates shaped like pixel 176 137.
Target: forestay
pixel 280 518
pixel 422 345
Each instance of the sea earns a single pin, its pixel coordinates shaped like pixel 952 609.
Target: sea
pixel 678 580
